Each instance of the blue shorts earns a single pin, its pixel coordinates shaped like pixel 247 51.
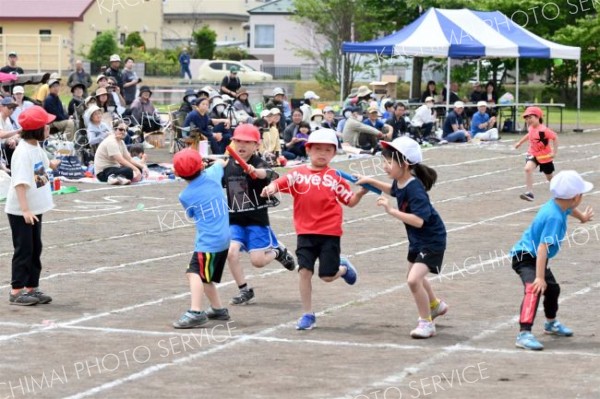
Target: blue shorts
pixel 253 238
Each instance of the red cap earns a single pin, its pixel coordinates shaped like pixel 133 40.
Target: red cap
pixel 246 132
pixel 34 118
pixel 533 111
pixel 187 162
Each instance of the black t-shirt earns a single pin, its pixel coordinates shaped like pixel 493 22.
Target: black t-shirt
pixel 9 69
pixel 246 206
pixel 230 83
pixel 399 126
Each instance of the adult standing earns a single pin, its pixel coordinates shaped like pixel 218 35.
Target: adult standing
pixel 231 83
pixel 130 81
pixel 114 70
pixel 80 76
pixel 184 63
pixel 113 163
pixel 11 66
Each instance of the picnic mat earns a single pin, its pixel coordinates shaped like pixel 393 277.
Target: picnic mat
pixel 158 174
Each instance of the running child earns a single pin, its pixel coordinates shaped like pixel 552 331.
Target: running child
pixel 204 202
pixel 424 227
pixel 541 242
pixel 28 198
pixel 248 212
pixel 539 152
pixel 318 191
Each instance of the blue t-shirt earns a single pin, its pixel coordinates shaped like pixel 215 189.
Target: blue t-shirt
pixel 452 119
pixel 477 120
pixel 204 203
pixel 378 124
pixel 549 226
pixel 412 198
pixel 200 121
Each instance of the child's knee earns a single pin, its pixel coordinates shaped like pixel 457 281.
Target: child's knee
pixel 258 259
pixel 414 283
pixel 328 279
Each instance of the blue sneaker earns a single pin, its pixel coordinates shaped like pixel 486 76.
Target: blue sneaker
pixel 350 276
pixel 308 321
pixel 555 328
pixel 526 340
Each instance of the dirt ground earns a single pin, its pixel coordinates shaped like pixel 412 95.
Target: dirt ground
pixel 114 261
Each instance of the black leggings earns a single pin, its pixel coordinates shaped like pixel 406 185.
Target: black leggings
pixel 120 171
pixel 524 265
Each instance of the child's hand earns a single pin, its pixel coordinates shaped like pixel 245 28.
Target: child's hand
pixel 30 218
pixel 587 215
pixel 268 191
pixel 251 169
pixel 517 145
pixel 54 164
pixel 539 286
pixel 384 202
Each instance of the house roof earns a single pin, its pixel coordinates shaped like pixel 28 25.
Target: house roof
pixel 275 7
pixel 235 9
pixel 61 10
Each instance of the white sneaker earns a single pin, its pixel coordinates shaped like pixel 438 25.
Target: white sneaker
pixel 425 329
pixel 114 180
pixel 147 145
pixel 439 310
pixel 123 180
pixel 442 142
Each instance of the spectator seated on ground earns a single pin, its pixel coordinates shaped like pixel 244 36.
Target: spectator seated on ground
pixel 199 120
pixel 454 127
pixel 186 105
pixel 290 132
pixel 368 141
pixel 277 102
pixel 316 120
pixel 424 119
pixel 77 99
pixel 106 104
pixel 22 103
pixel 482 125
pixel 113 163
pixel 242 105
pixel 9 132
pixel 54 106
pixel 307 106
pixel 329 121
pixel 300 139
pixel 353 128
pixel 270 146
pixel 144 113
pixel 113 90
pixel 138 154
pixel 97 130
pixel 87 105
pixel 398 121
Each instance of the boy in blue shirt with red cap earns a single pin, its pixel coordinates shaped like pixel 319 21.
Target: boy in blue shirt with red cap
pixel 541 242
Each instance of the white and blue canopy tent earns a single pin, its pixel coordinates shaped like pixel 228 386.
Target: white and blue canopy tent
pixel 466 33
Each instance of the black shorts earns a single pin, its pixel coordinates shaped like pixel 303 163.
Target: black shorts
pixel 316 246
pixel 545 168
pixel 209 265
pixel 433 260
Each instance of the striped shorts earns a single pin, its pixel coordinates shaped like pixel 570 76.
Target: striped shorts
pixel 209 265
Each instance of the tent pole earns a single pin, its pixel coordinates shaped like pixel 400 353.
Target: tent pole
pixel 448 86
pixel 342 80
pixel 517 97
pixel 578 129
pixel 478 79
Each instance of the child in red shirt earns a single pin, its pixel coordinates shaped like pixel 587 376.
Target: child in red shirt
pixel 318 192
pixel 539 152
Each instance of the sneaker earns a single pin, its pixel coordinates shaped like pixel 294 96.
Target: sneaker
pixel 245 297
pixel 439 310
pixel 308 321
pixel 191 320
pixel 442 142
pixel 527 340
pixel 23 298
pixel 285 258
pixel 217 314
pixel 425 329
pixel 351 275
pixel 43 298
pixel 123 180
pixel 147 145
pixel 528 196
pixel 112 179
pixel 555 328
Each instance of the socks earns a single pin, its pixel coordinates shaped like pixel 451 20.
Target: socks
pixel 427 319
pixel 434 304
pixel 243 287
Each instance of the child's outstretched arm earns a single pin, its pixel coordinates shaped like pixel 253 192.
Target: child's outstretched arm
pixel 269 190
pixel 357 196
pixel 523 139
pixel 383 186
pixel 405 217
pixel 584 216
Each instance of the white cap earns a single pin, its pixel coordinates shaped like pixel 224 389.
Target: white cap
pixel 310 95
pixel 323 136
pixel 265 113
pixel 328 109
pixel 278 90
pixel 18 89
pixel 274 111
pixel 407 147
pixel 226 98
pixel 481 104
pixel 427 99
pixel 115 57
pixel 568 184
pixel 316 112
pixel 459 104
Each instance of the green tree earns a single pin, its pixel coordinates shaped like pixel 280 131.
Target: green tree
pixel 134 39
pixel 205 39
pixel 232 53
pixel 102 47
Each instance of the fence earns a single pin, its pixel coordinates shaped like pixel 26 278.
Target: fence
pixel 37 53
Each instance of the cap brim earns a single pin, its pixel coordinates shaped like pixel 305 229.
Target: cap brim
pixel 50 118
pixel 587 187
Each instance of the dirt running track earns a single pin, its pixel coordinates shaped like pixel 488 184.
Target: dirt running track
pixel 114 261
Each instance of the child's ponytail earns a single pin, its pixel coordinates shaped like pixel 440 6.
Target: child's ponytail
pixel 427 175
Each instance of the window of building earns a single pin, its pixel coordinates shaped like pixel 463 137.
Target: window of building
pixel 0 30
pixel 264 36
pixel 122 38
pixel 45 35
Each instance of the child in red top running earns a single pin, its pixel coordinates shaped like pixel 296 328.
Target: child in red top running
pixel 318 192
pixel 539 152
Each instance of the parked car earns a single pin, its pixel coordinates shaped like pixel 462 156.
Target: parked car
pixel 215 70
